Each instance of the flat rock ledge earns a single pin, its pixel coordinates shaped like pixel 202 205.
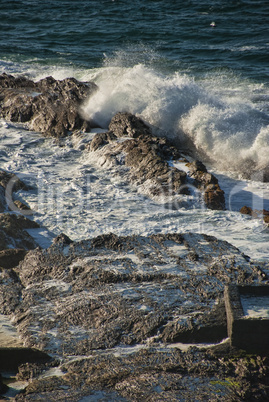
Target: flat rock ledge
pixel 149 163
pixel 48 106
pixel 111 311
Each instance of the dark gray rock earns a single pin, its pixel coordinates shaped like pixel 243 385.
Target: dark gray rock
pixel 156 375
pixel 3 204
pixel 10 291
pixel 117 305
pixel 213 195
pixel 112 290
pixel 13 232
pixel 8 178
pixel 49 106
pixel 144 155
pixel 12 358
pixel 126 124
pixel 130 144
pixel 254 213
pixel 11 257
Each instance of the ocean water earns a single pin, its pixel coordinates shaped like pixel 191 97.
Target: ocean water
pixel 195 71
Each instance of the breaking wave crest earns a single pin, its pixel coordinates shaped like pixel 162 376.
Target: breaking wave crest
pixel 225 119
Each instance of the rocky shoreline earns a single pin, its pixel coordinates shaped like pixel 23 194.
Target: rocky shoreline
pixel 113 317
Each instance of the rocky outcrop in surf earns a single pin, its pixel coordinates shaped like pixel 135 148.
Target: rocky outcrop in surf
pixel 110 314
pixel 52 107
pixel 208 183
pixel 48 106
pixel 150 162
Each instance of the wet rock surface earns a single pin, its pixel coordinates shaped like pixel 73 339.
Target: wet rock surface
pixel 256 214
pixel 49 106
pixel 126 290
pixel 113 290
pixel 14 244
pixel 9 184
pixel 118 305
pixel 213 195
pixel 11 257
pixel 111 311
pixel 149 162
pixel 13 232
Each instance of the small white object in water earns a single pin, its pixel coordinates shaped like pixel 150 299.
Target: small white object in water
pixel 213 24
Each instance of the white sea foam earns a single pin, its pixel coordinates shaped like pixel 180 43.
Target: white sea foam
pixel 217 115
pixel 71 194
pixel 223 115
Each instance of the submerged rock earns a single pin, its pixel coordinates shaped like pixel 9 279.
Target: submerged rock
pixel 49 106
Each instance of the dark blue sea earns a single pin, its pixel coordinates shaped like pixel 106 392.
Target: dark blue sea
pixel 196 37
pixel 196 71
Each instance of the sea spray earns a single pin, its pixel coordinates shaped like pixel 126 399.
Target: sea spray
pixel 225 127
pixel 159 99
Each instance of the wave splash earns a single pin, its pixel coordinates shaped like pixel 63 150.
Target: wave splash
pixel 225 126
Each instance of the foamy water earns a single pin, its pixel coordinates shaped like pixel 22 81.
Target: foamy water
pixel 72 194
pixel 221 115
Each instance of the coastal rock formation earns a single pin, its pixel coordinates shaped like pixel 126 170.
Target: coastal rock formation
pixel 208 183
pixel 154 375
pixel 52 107
pixel 49 106
pixel 14 239
pixel 150 161
pixel 112 290
pixel 120 304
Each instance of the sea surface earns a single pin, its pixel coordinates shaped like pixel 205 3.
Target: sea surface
pixel 194 70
